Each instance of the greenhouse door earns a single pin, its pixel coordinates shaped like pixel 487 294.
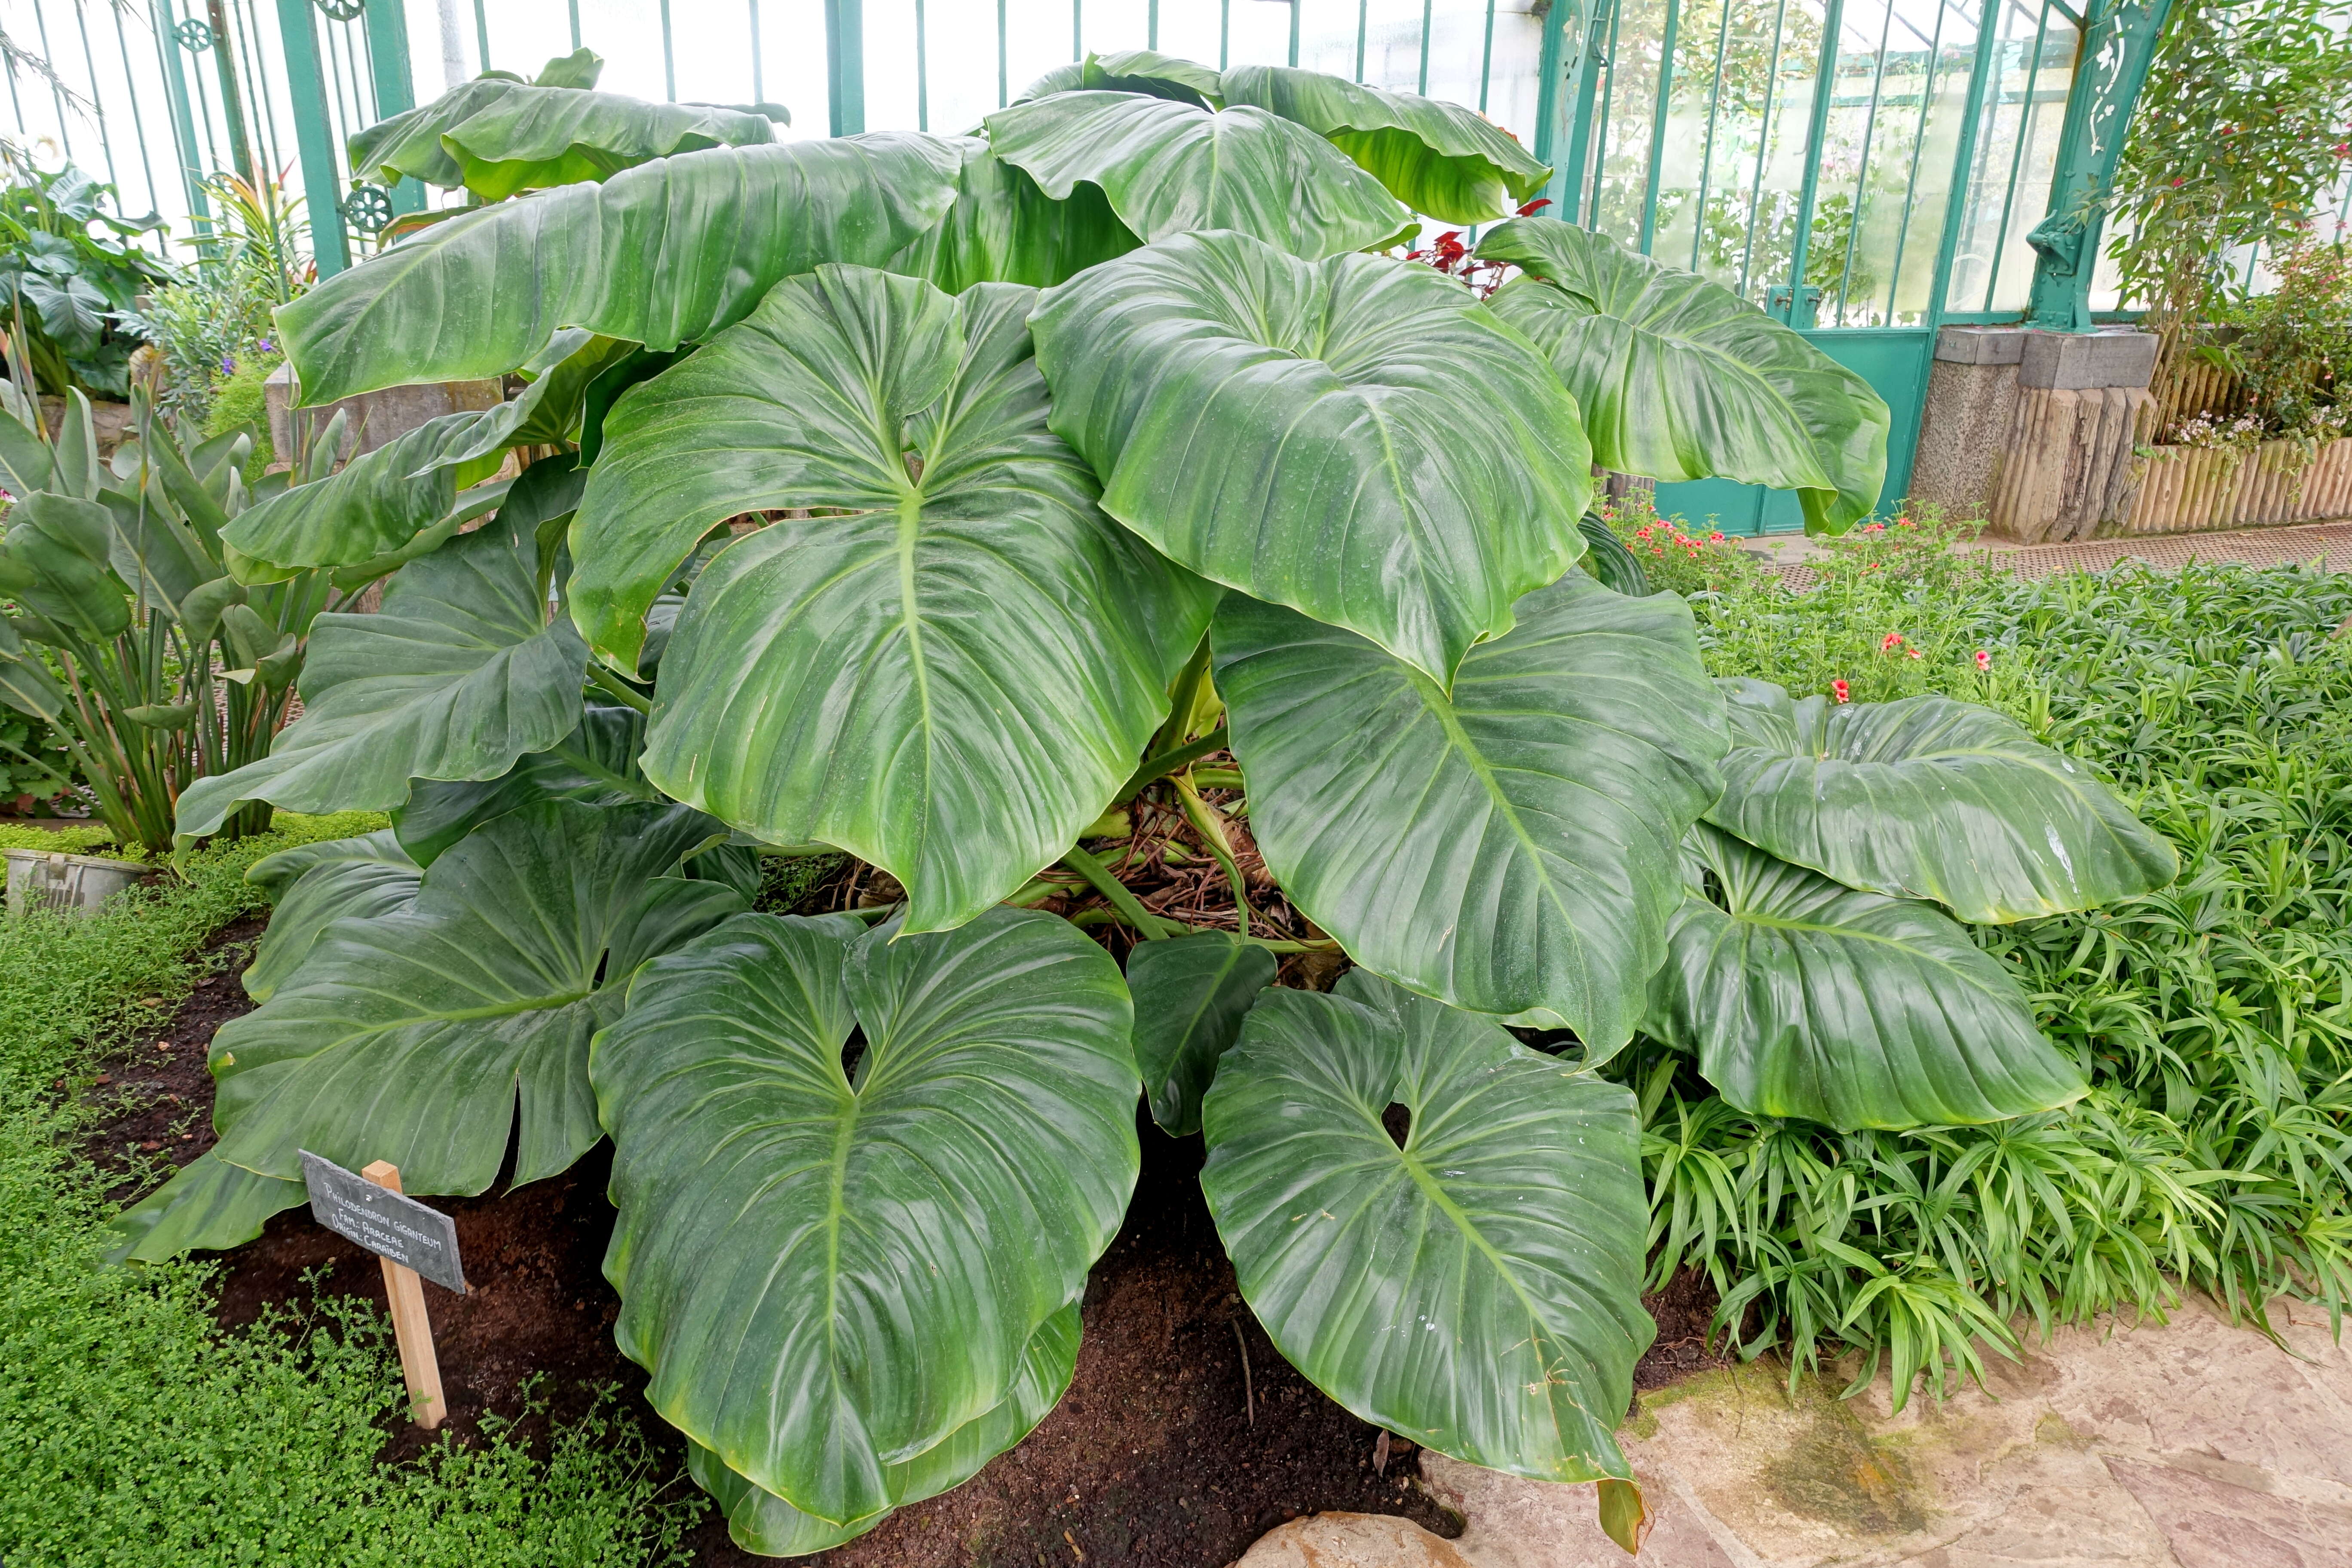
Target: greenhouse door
pixel 1890 153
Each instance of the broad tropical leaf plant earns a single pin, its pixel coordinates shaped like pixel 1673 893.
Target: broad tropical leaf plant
pixel 1030 515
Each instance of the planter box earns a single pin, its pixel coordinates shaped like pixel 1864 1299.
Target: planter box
pixel 2181 490
pixel 46 880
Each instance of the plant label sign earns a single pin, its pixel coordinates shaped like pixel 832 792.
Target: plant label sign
pixel 397 1228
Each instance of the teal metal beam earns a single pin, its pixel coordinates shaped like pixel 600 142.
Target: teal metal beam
pixel 1591 56
pixel 395 92
pixel 1817 123
pixel 845 64
pixel 314 139
pixel 1548 70
pixel 1964 158
pixel 2119 39
pixel 183 119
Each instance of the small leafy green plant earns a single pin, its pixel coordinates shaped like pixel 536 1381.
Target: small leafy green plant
pixel 929 499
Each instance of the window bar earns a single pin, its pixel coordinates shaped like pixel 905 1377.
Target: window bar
pixel 138 120
pixel 1293 38
pixel 1486 56
pixel 1862 177
pixel 89 64
pixel 257 86
pixel 1151 24
pixel 1363 23
pixel 184 126
pixel 759 78
pixel 1428 8
pixel 1763 148
pixel 573 6
pixel 1817 123
pixel 1225 30
pixel 1706 156
pixel 670 57
pixel 923 70
pixel 482 35
pixel 1078 30
pixel 1658 125
pixel 1600 120
pixel 344 103
pixel 57 89
pixel 1918 145
pixel 1003 87
pixel 1964 157
pixel 205 119
pixel 2017 154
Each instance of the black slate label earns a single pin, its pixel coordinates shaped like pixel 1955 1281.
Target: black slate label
pixel 383 1221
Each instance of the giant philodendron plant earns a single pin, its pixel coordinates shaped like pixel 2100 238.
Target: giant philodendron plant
pixel 928 496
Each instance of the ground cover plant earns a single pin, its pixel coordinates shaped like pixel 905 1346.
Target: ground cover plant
pixel 2210 1017
pixel 136 1430
pixel 958 504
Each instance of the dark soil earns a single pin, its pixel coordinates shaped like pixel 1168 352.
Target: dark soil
pixel 1166 1452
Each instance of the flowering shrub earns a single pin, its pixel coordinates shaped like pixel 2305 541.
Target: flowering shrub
pixel 1676 559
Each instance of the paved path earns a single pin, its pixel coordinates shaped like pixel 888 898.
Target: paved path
pixel 2190 1445
pixel 2327 541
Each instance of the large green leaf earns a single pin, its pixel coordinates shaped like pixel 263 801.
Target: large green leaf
pixel 762 1521
pixel 1004 229
pixel 879 681
pixel 1931 798
pixel 1171 168
pixel 1511 848
pixel 1477 1290
pixel 662 255
pixel 597 763
pixel 1356 439
pixel 1801 998
pixel 1191 995
pixel 457 675
pixel 207 1207
pixel 314 885
pixel 382 499
pixel 1680 378
pixel 430 1035
pixel 1437 158
pixel 68 544
pixel 497 138
pixel 1146 71
pixel 829 1271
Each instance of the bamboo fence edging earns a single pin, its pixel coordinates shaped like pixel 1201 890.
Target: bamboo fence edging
pixel 2181 490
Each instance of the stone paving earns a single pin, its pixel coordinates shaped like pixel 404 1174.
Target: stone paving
pixel 2192 1444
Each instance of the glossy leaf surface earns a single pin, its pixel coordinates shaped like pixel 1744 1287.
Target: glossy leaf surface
pixel 1191 995
pixel 1801 998
pixel 430 1035
pixel 1171 168
pixel 1297 430
pixel 1931 798
pixel 1132 70
pixel 1477 1290
pixel 457 675
pixel 1437 158
pixel 1679 378
pixel 1509 848
pixel 873 680
pixel 312 885
pixel 665 254
pixel 762 1521
pixel 1004 229
pixel 207 1207
pixel 597 763
pixel 828 1272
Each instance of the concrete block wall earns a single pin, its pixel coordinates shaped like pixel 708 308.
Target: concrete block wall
pixel 2033 431
pixel 375 417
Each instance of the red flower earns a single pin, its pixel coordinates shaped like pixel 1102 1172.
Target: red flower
pixel 1838 691
pixel 1984 659
pixel 1891 641
pixel 1715 538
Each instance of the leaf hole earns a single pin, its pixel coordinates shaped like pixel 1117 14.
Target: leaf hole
pixel 852 1057
pixel 1397 1121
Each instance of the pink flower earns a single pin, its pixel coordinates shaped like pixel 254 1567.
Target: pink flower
pixel 1891 641
pixel 1912 651
pixel 1838 691
pixel 1984 659
pixel 1715 538
pixel 1874 527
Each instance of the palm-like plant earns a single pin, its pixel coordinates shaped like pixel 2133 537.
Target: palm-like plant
pixel 923 496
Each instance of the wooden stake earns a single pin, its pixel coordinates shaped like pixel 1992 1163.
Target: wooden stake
pixel 411 1331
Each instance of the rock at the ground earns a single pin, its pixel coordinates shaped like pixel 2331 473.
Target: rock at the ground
pixel 1353 1541
pixel 2192 1444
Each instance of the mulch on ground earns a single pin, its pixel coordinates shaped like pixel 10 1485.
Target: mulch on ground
pixel 1184 1438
